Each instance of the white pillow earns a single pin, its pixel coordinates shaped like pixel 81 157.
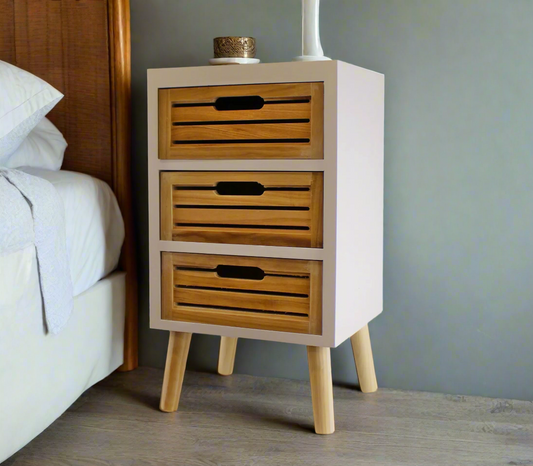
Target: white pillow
pixel 24 100
pixel 43 148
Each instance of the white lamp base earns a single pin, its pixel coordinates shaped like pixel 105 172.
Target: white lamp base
pixel 311 58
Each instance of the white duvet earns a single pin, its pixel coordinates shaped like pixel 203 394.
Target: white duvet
pixel 42 374
pixel 94 231
pixel 94 225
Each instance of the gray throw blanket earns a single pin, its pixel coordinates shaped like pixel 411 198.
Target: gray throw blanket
pixel 31 212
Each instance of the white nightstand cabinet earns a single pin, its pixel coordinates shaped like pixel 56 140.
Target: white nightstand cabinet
pixel 266 213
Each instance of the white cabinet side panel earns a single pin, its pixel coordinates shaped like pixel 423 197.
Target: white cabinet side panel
pixel 330 206
pixel 359 269
pixel 153 206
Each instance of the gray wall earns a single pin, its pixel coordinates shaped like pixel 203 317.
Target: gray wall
pixel 458 314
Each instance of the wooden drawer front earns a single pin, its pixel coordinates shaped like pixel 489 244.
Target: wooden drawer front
pixel 266 208
pixel 270 294
pixel 279 121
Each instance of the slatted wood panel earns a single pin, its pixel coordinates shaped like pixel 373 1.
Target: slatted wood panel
pixel 66 43
pixel 248 292
pixel 266 208
pixel 245 121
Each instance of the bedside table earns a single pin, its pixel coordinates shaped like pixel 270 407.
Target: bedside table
pixel 266 213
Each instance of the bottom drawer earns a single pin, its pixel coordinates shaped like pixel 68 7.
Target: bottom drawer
pixel 250 292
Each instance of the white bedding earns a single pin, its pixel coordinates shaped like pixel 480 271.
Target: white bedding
pixel 42 374
pixel 23 196
pixel 95 229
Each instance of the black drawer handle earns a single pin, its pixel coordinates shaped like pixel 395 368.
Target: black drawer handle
pixel 237 271
pixel 249 102
pixel 239 188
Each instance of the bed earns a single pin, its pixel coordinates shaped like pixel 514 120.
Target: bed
pixel 81 47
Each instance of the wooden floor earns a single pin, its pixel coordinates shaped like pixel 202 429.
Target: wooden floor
pixel 242 420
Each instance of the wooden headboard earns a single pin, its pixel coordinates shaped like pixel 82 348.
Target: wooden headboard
pixel 82 47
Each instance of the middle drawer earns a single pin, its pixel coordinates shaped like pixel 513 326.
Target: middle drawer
pixel 266 208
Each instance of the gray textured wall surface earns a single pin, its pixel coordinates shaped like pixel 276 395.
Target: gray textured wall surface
pixel 458 312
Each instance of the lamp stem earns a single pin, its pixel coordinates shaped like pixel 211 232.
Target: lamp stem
pixel 311 47
pixel 310 28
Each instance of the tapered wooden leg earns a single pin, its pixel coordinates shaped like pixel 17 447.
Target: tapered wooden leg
pixel 178 349
pixel 319 360
pixel 364 362
pixel 226 355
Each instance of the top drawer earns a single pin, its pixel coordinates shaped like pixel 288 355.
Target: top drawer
pixel 259 121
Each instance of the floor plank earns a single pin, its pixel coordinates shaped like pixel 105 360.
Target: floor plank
pixel 243 420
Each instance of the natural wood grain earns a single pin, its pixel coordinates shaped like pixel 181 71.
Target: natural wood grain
pixel 167 206
pixel 317 122
pixel 231 217
pixel 243 217
pixel 165 123
pixel 268 198
pixel 269 283
pixel 226 355
pixel 274 91
pixel 192 291
pixel 317 210
pixel 267 179
pixel 273 266
pixel 248 131
pixel 226 299
pixel 261 237
pixel 178 350
pixel 315 298
pixel 364 361
pixel 83 49
pixel 167 285
pixel 256 320
pixel 276 123
pixel 268 112
pixel 120 51
pixel 7 31
pixel 118 418
pixel 319 360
